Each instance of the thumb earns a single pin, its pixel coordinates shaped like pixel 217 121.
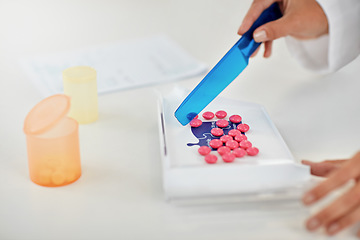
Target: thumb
pixel 272 30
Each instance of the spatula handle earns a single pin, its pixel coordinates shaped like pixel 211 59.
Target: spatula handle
pixel 247 44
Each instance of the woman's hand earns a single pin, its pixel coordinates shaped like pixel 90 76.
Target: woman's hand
pixel 324 168
pixel 303 19
pixel 345 210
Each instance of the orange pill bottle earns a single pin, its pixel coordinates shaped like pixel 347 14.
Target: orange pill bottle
pixel 52 143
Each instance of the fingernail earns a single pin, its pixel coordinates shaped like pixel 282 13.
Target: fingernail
pixel 308 198
pixel 313 224
pixel 333 228
pixel 260 36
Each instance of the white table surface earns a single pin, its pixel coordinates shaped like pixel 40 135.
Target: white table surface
pixel 119 195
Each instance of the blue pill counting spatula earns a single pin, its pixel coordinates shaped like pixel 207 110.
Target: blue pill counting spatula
pixel 225 71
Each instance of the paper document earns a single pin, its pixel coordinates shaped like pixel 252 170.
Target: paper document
pixel 119 66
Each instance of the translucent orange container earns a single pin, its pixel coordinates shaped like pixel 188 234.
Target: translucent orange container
pixel 52 143
pixel 80 85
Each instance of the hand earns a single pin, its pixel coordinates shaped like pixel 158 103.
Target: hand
pixel 324 168
pixel 302 19
pixel 345 210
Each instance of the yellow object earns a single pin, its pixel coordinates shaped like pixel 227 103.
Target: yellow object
pixel 52 143
pixel 80 85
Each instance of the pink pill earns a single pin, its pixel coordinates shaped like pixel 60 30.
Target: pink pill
pixel 226 138
pixel 228 157
pixel 232 144
pixel 243 127
pixel 195 123
pixel 240 137
pixel 239 152
pixel 234 132
pixel 245 144
pixel 223 150
pixel 252 151
pixel 222 123
pixel 215 143
pixel 217 132
pixel 204 150
pixel 196 117
pixel 220 114
pixel 211 158
pixel 208 115
pixel 235 119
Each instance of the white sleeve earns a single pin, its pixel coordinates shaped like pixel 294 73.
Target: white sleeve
pixel 331 52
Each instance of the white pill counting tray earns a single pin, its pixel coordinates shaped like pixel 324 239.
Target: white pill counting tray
pixel 186 174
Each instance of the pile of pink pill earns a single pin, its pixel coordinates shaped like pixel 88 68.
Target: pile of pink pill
pixel 233 145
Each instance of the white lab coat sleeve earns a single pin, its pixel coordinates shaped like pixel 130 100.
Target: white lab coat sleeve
pixel 331 52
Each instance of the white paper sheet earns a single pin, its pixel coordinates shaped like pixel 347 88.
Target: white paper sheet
pixel 120 66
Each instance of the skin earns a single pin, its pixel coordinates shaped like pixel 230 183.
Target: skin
pixel 344 211
pixel 305 19
pixel 324 168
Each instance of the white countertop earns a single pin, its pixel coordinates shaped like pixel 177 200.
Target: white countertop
pixel 119 195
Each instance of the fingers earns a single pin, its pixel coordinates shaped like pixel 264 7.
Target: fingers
pixel 349 170
pixel 268 49
pixel 319 169
pixel 341 208
pixel 344 222
pixel 256 8
pixel 272 30
pixel 335 180
pixel 322 169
